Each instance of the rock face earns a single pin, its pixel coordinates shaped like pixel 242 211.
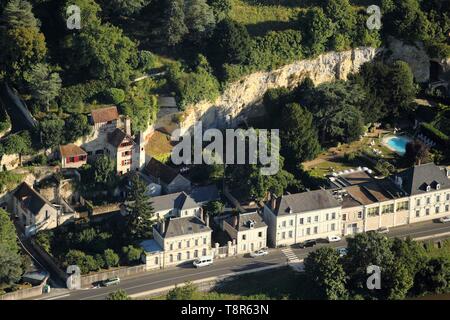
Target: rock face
pixel 415 55
pixel 243 98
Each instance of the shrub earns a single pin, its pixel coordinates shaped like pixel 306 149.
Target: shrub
pixel 435 134
pixel 131 254
pixel 114 96
pixel 111 258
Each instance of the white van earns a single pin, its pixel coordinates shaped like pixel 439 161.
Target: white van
pixel 203 261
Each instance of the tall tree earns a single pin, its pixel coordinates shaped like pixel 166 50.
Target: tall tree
pixel 43 84
pixel 299 140
pixel 174 29
pixel 10 261
pixel 230 43
pixel 318 29
pixel 19 14
pixel 126 7
pixel 221 8
pixel 76 126
pixel 104 170
pixel 52 131
pixel 199 19
pixel 139 219
pixel 416 153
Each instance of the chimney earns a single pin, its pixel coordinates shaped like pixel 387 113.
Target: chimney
pixel 162 227
pixel 128 126
pixel 273 202
pixel 207 219
pixel 235 221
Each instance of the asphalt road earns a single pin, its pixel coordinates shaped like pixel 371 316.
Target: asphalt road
pixel 159 279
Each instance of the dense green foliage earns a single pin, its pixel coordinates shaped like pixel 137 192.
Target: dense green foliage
pixel 10 261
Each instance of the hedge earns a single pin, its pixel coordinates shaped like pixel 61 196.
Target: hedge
pixel 435 134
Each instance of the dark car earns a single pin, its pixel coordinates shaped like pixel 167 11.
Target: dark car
pixel 308 244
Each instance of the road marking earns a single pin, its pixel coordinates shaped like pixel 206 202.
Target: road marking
pixel 174 278
pixel 57 297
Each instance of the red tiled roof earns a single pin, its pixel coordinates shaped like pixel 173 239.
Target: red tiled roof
pixel 104 114
pixel 71 150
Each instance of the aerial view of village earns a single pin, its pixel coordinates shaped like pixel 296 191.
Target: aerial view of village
pixel 224 150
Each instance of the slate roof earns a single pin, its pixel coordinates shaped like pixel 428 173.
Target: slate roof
pixel 205 194
pixel 116 137
pixel 416 179
pixel 160 171
pixel 244 219
pixel 104 114
pixel 305 202
pixel 71 150
pixel 183 226
pixel 30 198
pixel 179 200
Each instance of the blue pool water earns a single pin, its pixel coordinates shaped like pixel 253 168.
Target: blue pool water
pixel 398 144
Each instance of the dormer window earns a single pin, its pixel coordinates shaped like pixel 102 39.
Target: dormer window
pixel 428 188
pixel 289 210
pixel 438 186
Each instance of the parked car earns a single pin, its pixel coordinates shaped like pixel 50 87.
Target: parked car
pixel 444 219
pixel 111 282
pixel 259 253
pixel 383 230
pixel 341 251
pixel 203 261
pixel 334 238
pixel 308 244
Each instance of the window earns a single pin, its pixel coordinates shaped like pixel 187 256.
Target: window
pixel 179 256
pixel 188 255
pixel 388 208
pixel 156 260
pixel 447 207
pixel 195 253
pixel 316 219
pixel 301 220
pixel 126 153
pixel 333 215
pixel 309 219
pixel 204 240
pixel 290 234
pixel 417 213
pixel 126 162
pixel 291 223
pixel 418 202
pixel 171 246
pixel 448 196
pixel 360 215
pixel 179 245
pixel 204 252
pixel 437 209
pixel 438 198
pixel 308 231
pixel 260 234
pixel 283 235
pixel 344 217
pixel 427 212
pixel 333 227
pixel 171 258
pixel 283 224
pixel 196 242
pixel 315 230
pixel 188 243
pixel 403 206
pixel 327 217
pixel 373 211
pixel 244 237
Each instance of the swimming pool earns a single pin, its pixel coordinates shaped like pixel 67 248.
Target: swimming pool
pixel 398 143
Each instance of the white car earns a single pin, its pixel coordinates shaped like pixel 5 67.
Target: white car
pixel 444 219
pixel 259 253
pixel 203 261
pixel 334 238
pixel 383 230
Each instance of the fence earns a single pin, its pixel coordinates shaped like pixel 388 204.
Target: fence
pixel 87 280
pixel 25 293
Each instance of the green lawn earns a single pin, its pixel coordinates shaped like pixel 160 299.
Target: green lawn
pixel 262 16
